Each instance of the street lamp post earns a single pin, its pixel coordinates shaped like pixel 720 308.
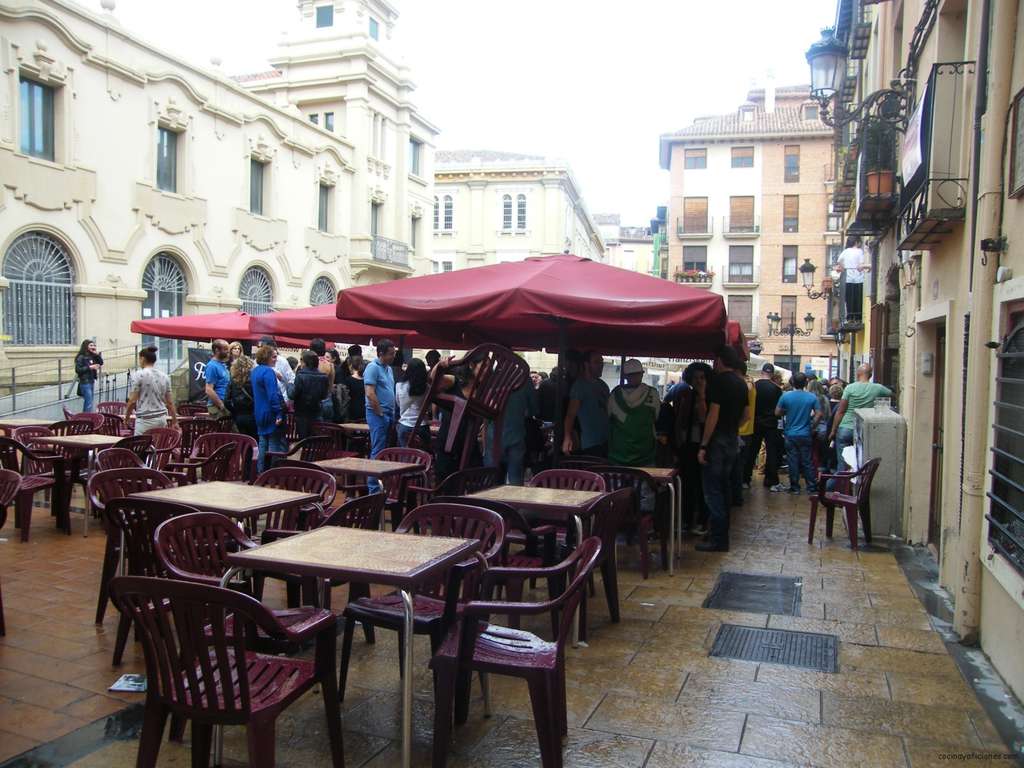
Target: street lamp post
pixel 775 328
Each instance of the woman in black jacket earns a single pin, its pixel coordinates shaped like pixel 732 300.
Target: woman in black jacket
pixel 240 401
pixel 87 367
pixel 310 389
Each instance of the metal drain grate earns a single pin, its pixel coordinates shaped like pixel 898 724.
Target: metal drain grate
pixel 778 646
pixel 756 593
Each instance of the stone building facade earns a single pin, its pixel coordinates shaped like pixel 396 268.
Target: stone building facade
pixel 134 184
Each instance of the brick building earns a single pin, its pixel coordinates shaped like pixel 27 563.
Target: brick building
pixel 749 196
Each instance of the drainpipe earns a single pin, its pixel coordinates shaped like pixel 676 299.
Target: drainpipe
pixel 998 30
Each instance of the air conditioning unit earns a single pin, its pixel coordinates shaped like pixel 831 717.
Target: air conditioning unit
pixel 881 433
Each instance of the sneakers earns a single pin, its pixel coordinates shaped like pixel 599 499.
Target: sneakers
pixel 795 491
pixel 746 486
pixel 699 530
pixel 780 488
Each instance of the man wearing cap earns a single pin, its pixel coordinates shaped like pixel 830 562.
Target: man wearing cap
pixel 633 408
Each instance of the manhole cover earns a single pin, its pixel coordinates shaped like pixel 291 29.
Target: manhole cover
pixel 756 593
pixel 809 650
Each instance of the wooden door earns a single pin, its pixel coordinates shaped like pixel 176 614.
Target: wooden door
pixel 938 409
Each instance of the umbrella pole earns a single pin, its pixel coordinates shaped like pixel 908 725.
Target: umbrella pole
pixel 622 365
pixel 559 391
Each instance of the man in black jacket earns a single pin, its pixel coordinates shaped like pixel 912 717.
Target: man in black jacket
pixel 311 387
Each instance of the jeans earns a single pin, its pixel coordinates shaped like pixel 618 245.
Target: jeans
pixel 798 449
pixel 273 442
pixel 304 425
pixel 404 435
pixel 716 475
pixel 380 427
pixel 738 477
pixel 695 511
pixel 86 389
pixel 772 449
pixel 512 460
pixel 844 439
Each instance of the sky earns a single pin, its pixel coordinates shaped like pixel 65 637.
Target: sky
pixel 592 83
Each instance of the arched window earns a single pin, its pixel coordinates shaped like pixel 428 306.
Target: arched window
pixel 165 287
pixel 506 212
pixel 323 292
pixel 521 212
pixel 448 215
pixel 437 214
pixel 38 307
pixel 256 292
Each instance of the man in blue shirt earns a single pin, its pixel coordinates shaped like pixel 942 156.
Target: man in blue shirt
pixel 521 405
pixel 588 401
pixel 802 413
pixel 217 380
pixel 379 381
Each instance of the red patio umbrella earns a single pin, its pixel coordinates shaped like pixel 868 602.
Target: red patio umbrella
pixel 231 326
pixel 546 302
pixel 323 322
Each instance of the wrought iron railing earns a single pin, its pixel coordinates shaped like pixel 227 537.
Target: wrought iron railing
pixel 389 251
pixel 742 226
pixel 694 227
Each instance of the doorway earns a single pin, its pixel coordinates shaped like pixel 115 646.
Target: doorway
pixel 938 424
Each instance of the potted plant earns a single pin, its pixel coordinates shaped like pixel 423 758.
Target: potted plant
pixel 879 157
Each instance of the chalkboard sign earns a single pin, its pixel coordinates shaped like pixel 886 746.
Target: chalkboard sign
pixel 197 360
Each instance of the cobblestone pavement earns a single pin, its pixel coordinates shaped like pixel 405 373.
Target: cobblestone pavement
pixel 644 693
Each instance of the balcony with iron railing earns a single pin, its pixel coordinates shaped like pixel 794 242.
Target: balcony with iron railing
pixel 933 201
pixel 877 189
pixel 694 228
pixel 741 227
pixel 389 251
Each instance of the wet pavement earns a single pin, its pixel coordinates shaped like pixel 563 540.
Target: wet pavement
pixel 644 694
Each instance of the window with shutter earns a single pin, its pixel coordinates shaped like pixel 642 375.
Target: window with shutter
pixel 695 214
pixel 787 310
pixel 742 157
pixel 789 263
pixel 694 159
pixel 792 154
pixel 741 309
pixel 741 263
pixel 741 214
pixel 791 213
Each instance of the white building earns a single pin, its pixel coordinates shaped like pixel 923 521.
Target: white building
pixel 491 207
pixel 134 184
pixel 629 248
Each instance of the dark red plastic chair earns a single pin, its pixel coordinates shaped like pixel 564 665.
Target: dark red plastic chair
pixel 9 484
pixel 94 420
pixel 536 546
pixel 192 409
pixel 568 480
pixel 39 472
pixel 240 466
pixel 140 445
pixel 191 430
pixel 216 466
pixel 114 425
pixel 634 520
pixel 195 548
pixel 395 488
pixel 200 666
pixel 581 462
pixel 103 487
pixel 460 483
pixel 134 521
pixel 311 449
pixel 298 479
pixel 166 442
pixel 474 645
pixel 435 605
pixel 118 458
pixel 604 517
pixel 500 372
pixel 115 407
pixel 852 500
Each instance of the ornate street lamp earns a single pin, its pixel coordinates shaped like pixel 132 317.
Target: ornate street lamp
pixel 790 329
pixel 807 270
pixel 827 59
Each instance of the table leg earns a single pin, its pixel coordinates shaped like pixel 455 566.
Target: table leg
pixel 90 467
pixel 407 630
pixel 672 527
pixel 576 642
pixel 679 511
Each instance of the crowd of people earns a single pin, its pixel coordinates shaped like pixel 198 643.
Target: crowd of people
pixel 712 425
